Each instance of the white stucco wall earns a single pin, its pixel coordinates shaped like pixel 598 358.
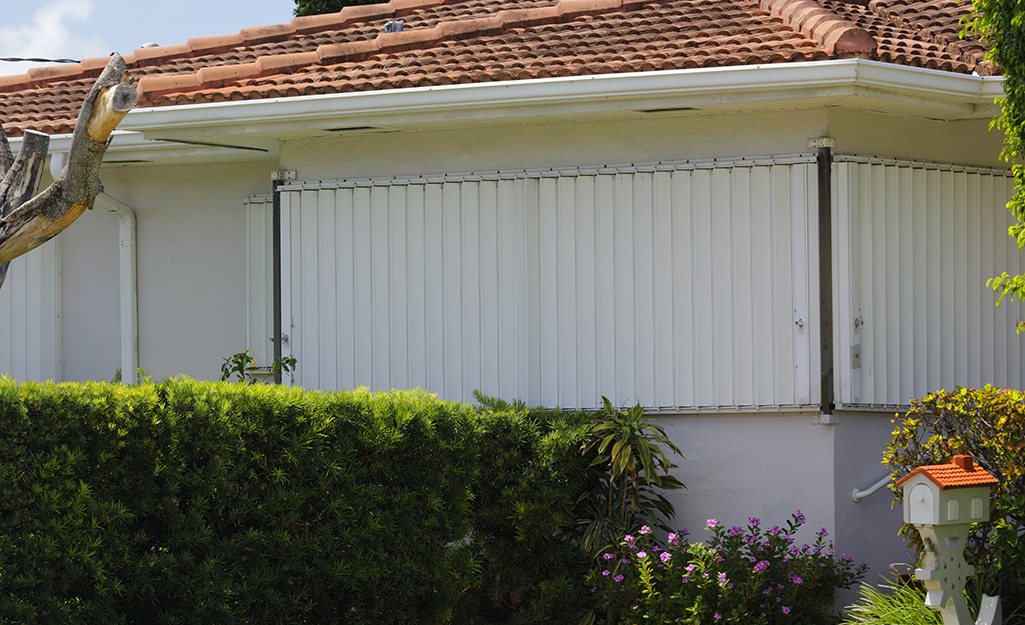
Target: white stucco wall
pixel 191 254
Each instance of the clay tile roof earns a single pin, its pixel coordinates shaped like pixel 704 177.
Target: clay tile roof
pixel 465 41
pixel 962 472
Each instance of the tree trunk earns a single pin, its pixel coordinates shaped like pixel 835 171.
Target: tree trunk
pixel 26 222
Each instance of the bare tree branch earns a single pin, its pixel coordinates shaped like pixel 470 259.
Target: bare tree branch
pixel 28 223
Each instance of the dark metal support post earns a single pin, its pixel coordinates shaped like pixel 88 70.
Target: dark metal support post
pixel 825 180
pixel 276 260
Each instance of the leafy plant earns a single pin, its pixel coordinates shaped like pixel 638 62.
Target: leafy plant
pixel 244 366
pixel 240 364
pixel 142 377
pixel 741 575
pixel 283 365
pixel 629 445
pixel 895 602
pixel 1001 25
pixel 988 424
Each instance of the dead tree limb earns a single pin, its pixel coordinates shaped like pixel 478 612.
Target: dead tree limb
pixel 27 222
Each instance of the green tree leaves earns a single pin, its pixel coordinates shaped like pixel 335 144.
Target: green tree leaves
pixel 1001 23
pixel 319 7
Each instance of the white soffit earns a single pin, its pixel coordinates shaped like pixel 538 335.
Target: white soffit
pixel 250 130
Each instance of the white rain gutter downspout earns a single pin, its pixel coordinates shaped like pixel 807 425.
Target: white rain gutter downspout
pixel 128 272
pixel 129 286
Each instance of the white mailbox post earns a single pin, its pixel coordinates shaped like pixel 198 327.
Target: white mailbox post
pixel 942 501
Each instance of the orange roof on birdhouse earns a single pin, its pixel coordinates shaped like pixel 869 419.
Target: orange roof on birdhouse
pixel 962 472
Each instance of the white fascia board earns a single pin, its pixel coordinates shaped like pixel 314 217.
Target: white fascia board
pixel 522 99
pixel 831 81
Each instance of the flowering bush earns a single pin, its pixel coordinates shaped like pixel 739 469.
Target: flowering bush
pixel 746 575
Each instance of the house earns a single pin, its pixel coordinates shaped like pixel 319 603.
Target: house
pixel 769 221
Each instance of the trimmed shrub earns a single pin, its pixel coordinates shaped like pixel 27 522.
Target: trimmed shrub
pixel 189 502
pixel 527 508
pixel 988 424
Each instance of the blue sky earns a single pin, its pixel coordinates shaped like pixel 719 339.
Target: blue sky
pixel 83 28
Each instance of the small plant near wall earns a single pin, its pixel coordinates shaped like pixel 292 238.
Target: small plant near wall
pixel 244 366
pixel 633 448
pixel 894 602
pixel 751 575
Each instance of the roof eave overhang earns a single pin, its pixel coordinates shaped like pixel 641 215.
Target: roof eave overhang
pixel 251 129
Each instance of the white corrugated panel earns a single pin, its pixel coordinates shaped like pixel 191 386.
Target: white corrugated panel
pixel 682 286
pixel 30 308
pixel 259 278
pixel 922 241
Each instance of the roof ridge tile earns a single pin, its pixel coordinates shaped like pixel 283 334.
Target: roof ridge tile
pixel 836 34
pixel 215 44
pixel 150 56
pixel 263 34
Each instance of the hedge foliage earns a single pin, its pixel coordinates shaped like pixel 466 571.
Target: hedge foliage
pixel 988 424
pixel 194 502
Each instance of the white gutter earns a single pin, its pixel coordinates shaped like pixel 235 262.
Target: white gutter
pixel 148 134
pixel 523 98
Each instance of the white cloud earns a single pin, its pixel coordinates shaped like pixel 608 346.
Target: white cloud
pixel 55 30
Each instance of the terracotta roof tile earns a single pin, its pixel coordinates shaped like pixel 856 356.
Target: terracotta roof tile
pixel 961 472
pixel 462 41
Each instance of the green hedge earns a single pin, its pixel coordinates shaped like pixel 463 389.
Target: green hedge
pixel 534 489
pixel 190 502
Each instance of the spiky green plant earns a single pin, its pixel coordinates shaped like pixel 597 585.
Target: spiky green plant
pixel 892 603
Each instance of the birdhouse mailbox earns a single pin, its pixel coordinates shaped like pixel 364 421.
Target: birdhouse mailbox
pixel 947 494
pixel 942 501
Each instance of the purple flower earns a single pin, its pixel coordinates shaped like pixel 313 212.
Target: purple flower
pixel 774 530
pixel 673 539
pixel 618 578
pixel 761 566
pixel 642 555
pixel 796 580
pixel 690 568
pixel 712 524
pixel 645 529
pixel 755 521
pixel 799 517
pixel 822 532
pixel 628 538
pixel 607 556
pixel 606 573
pixel 718 616
pixel 665 556
pixel 786 610
pixel 722 578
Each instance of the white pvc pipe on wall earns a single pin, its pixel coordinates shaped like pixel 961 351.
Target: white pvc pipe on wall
pixel 129 286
